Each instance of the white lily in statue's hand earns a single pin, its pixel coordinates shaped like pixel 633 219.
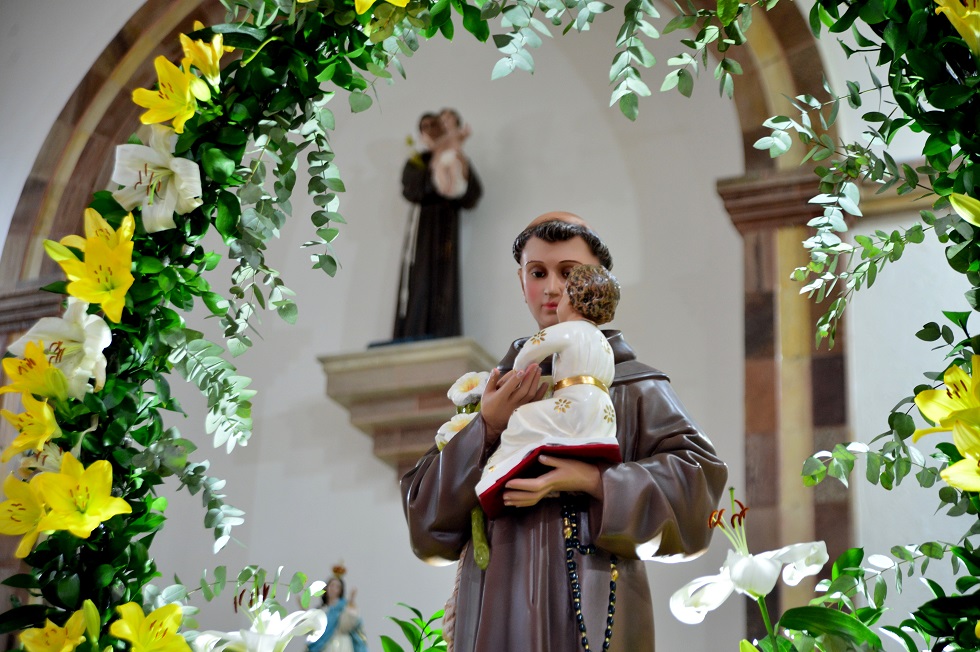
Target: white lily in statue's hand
pixel 468 389
pixel 449 429
pixel 270 632
pixel 751 575
pixel 73 343
pixel 157 181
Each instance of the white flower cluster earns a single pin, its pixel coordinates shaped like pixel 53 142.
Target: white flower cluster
pixel 466 391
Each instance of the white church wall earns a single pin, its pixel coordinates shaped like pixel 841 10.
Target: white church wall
pixel 312 490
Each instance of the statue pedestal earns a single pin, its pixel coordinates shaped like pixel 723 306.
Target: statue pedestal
pixel 397 393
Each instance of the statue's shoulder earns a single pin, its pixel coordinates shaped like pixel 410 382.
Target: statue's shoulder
pixel 630 371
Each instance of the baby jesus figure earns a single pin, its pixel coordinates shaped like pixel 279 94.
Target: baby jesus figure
pixel 449 165
pixel 578 420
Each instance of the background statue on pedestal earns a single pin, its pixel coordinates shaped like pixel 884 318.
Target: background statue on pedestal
pixel 439 181
pixel 345 630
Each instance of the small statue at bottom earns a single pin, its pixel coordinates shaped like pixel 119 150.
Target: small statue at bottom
pixel 579 420
pixel 345 630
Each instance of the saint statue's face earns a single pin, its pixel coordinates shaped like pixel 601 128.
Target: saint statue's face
pixel 334 590
pixel 544 268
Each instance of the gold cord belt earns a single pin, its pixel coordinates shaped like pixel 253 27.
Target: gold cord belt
pixel 581 380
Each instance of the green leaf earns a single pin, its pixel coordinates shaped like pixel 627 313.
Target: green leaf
pixel 950 96
pixel 216 164
pixel 727 10
pixel 297 582
pixel 229 215
pixel 389 645
pixel 22 581
pixel 410 630
pixel 288 311
pixel 682 21
pixel 685 82
pixel 24 617
pixel 217 304
pixel 629 104
pixel 822 620
pixel 359 101
pixel 902 424
pixel 68 591
pixel 849 559
pixel 814 471
pixel 474 23
pixel 502 68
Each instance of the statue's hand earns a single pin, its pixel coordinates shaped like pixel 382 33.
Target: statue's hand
pixel 567 475
pixel 506 393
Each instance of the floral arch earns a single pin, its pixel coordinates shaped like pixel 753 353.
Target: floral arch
pixel 777 61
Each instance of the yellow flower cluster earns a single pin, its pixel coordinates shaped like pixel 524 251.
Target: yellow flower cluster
pixel 178 88
pixel 76 499
pixel 965 18
pixel 103 277
pixel 156 632
pixel 956 408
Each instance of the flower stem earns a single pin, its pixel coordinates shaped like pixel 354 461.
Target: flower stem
pixel 765 619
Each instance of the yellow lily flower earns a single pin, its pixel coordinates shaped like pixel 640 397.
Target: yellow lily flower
pixel 97 227
pixel 363 6
pixel 205 56
pixel 21 513
pixel 53 638
pixel 965 474
pixel 156 632
pixel 965 18
pixel 36 426
pixel 80 499
pixel 104 276
pixel 34 374
pixel 954 408
pixel 176 95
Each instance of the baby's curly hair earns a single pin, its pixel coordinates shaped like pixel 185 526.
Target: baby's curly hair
pixel 593 292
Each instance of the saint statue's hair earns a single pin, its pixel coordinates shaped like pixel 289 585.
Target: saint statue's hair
pixel 593 292
pixel 428 115
pixel 558 231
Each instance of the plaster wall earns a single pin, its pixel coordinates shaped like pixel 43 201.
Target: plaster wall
pixel 312 490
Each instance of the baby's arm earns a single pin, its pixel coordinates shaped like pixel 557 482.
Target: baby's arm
pixel 549 341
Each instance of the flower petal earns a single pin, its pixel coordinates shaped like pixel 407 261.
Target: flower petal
pixel 752 575
pixel 964 475
pixel 691 602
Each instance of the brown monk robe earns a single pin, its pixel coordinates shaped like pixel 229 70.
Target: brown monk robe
pixel 655 504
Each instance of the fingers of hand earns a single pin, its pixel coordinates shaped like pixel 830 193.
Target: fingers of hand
pixel 522 498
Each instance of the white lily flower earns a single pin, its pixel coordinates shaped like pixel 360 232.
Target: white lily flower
pixel 157 181
pixel 74 344
pixel 48 460
pixel 752 575
pixel 802 560
pixel 269 632
pixel 449 429
pixel 468 388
